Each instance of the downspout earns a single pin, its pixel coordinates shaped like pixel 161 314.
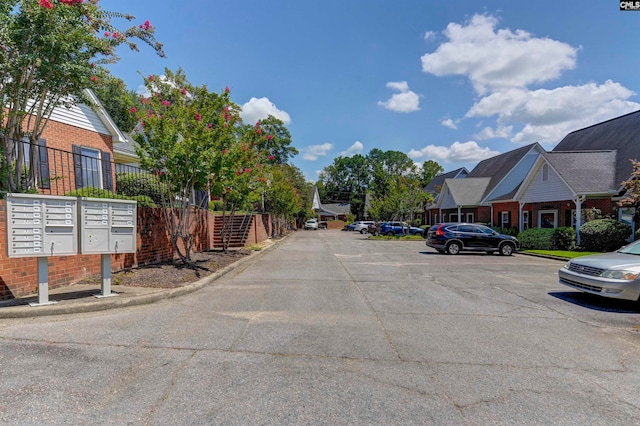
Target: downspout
pixel 578 202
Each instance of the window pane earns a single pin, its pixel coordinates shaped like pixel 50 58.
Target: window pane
pixel 91 167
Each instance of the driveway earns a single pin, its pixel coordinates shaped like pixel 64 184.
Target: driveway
pixel 329 327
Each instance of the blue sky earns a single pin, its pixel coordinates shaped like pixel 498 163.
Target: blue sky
pixel 454 82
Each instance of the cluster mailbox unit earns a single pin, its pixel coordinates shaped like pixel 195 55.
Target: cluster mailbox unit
pixel 44 225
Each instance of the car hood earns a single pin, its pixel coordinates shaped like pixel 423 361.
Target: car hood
pixel 609 261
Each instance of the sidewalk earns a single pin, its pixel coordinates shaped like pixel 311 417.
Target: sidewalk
pixel 80 298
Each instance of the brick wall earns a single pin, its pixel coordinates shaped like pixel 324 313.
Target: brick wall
pixel 19 276
pixel 62 137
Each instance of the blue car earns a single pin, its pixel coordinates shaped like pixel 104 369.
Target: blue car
pixel 399 228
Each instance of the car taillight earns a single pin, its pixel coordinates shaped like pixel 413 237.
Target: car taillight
pixel 439 231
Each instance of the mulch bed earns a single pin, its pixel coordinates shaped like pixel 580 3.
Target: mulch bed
pixel 175 274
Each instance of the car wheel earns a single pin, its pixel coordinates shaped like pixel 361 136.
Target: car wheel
pixel 453 248
pixel 389 234
pixel 507 249
pixel 363 231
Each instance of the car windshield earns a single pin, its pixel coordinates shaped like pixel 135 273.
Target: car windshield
pixel 633 248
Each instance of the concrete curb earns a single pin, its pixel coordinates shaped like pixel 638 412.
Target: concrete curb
pixel 95 305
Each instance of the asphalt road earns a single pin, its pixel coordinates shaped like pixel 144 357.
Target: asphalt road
pixel 330 328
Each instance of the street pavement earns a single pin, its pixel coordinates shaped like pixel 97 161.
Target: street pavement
pixel 328 327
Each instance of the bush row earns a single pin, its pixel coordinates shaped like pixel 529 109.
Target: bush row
pixel 596 235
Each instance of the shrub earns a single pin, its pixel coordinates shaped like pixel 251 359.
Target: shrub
pixel 564 238
pixel 133 184
pixel 536 238
pixel 92 192
pixel 604 235
pixel 216 206
pixel 506 231
pixel 417 222
pixel 144 201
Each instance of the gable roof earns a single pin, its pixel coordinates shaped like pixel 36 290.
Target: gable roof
pixel 463 192
pixel 621 134
pixel 496 168
pixel 587 171
pixel 434 186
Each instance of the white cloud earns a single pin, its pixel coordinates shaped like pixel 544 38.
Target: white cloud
pixel 312 152
pixel 546 116
pixel 356 148
pixel 258 109
pixel 457 152
pixel 449 123
pixel 503 132
pixel 405 101
pixel 498 59
pixel 430 35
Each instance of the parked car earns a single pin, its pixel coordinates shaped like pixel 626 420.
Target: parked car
pixel 311 224
pixel 349 227
pixel 451 238
pixel 615 274
pixel 362 226
pixel 399 228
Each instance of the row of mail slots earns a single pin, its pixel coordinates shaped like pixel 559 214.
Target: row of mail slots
pixel 45 225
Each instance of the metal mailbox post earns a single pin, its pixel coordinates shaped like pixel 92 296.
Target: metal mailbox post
pixel 41 226
pixel 107 227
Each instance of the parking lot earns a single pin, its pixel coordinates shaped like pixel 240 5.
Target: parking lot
pixel 331 327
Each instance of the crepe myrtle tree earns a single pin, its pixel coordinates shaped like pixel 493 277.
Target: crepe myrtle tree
pixel 183 135
pixel 50 52
pixel 241 173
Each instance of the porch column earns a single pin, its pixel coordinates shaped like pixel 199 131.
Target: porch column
pixel 578 202
pixel 440 215
pixel 520 218
pixel 459 214
pixel 491 221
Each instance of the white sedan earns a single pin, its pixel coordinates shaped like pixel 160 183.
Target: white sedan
pixel 615 274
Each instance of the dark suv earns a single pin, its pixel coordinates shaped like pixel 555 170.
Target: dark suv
pixel 451 238
pixel 399 228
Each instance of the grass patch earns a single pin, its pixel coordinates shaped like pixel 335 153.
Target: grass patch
pixel 563 254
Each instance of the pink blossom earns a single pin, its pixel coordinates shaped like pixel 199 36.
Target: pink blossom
pixel 209 125
pixel 93 65
pixel 106 33
pixel 227 90
pixel 133 110
pixel 259 131
pixel 144 100
pixel 166 103
pixel 198 117
pixel 146 26
pixel 271 158
pixel 245 148
pixel 239 172
pixel 258 123
pixel 247 170
pixel 269 137
pixel 151 78
pixel 45 3
pixel 184 91
pixel 94 79
pixel 116 35
pixel 225 151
